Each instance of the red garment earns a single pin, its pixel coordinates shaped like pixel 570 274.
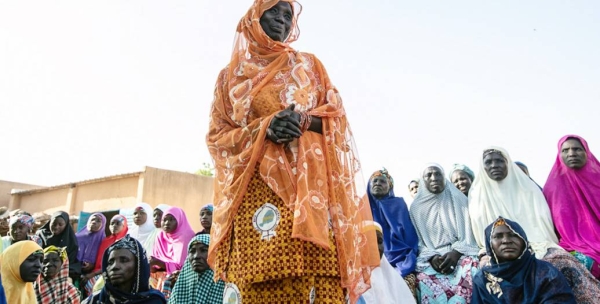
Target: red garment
pixel 109 240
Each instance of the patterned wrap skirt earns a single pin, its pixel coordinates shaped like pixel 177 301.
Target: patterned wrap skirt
pixel 264 264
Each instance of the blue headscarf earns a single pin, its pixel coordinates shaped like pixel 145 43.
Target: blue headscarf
pixel 141 292
pixel 523 280
pixel 400 240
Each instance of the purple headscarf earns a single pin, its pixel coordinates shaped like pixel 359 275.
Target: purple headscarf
pixel 89 242
pixel 574 199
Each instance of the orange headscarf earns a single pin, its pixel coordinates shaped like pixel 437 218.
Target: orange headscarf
pixel 316 175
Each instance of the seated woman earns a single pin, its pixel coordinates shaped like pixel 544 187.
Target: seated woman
pixel 515 275
pixel 143 229
pixel 127 271
pixel 447 249
pixel 195 283
pixel 400 241
pixel 169 251
pixel 20 266
pixel 53 286
pixel 502 189
pixel 59 232
pixel 89 238
pixel 19 227
pixel 206 218
pixel 118 229
pixel 573 193
pixel 387 285
pixel 462 177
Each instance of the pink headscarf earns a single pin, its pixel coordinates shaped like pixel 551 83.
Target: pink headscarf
pixel 171 248
pixel 574 200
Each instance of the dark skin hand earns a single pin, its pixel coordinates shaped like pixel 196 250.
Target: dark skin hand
pixel 446 263
pixel 285 126
pixel 156 262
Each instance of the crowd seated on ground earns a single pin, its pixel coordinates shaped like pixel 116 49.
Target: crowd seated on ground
pixel 497 238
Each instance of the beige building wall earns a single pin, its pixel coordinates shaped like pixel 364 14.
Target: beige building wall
pixel 46 201
pixel 188 191
pixel 6 187
pixel 107 195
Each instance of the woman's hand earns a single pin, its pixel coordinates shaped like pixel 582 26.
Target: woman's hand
pixel 285 126
pixel 484 261
pixel 450 261
pixel 435 262
pixel 156 264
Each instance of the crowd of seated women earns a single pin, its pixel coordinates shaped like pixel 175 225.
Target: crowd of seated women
pixel 496 236
pixel 491 237
pixel 136 263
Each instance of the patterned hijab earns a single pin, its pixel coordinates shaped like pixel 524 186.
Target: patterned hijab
pixel 523 280
pixel 89 241
pixel 274 75
pixel 170 247
pixel 193 287
pixel 464 168
pixel 574 200
pixel 17 291
pixel 57 289
pixel 516 197
pixel 442 222
pixel 141 292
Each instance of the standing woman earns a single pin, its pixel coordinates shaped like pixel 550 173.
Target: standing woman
pixel 573 193
pixel 206 218
pixel 143 229
pixel 89 238
pixel 286 172
pixel 20 266
pixel 59 232
pixel 118 230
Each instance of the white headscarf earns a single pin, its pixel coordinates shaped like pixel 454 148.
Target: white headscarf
pixel 517 198
pixel 145 233
pixel 442 222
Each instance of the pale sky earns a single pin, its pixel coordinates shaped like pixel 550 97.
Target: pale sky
pixel 90 89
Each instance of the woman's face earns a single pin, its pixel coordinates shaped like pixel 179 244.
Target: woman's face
pixel 51 265
pixel 157 218
pixel 506 244
pixel 94 223
pixel 434 180
pixel 139 216
pixel 31 268
pixel 121 267
pixel 413 188
pixel 169 223
pixel 276 22
pixel 58 225
pixel 462 181
pixel 116 225
pixel 18 232
pixel 380 186
pixel 495 166
pixel 573 154
pixel 197 257
pixel 206 218
pixel 380 242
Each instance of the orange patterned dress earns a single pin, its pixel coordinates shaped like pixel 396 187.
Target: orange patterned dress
pixel 288 220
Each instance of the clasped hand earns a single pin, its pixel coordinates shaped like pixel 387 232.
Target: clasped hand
pixel 446 263
pixel 285 126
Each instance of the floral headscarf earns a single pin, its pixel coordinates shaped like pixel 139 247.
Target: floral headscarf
pixel 57 289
